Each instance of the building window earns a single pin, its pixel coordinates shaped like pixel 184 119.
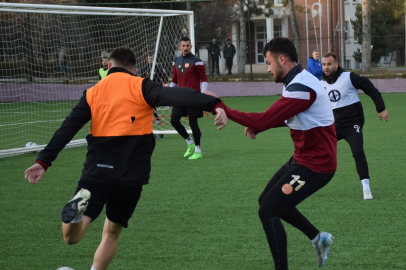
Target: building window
pixel 357 65
pixel 386 58
pixel 347 64
pixel 260 41
pixel 346 30
pixel 277 28
pixel 354 1
pixel 278 2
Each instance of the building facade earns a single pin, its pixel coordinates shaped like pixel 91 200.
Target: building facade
pixel 319 28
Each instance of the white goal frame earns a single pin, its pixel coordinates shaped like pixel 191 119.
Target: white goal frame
pixel 89 11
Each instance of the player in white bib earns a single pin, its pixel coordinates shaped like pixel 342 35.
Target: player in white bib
pixel 342 88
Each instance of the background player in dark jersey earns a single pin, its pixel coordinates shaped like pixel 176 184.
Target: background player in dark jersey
pixel 160 76
pixel 342 88
pixel 188 71
pixel 304 110
pixel 120 146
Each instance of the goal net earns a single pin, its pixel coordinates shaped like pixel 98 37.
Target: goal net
pixel 50 54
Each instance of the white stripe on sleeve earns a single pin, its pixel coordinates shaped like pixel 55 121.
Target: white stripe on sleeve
pixel 297 94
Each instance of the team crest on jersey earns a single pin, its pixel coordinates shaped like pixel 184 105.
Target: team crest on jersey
pixel 187 65
pixel 334 95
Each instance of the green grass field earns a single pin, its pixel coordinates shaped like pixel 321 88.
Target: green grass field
pixel 203 214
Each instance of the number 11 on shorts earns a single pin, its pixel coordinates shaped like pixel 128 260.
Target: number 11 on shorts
pixel 296 179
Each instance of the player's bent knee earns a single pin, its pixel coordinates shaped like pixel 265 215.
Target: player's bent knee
pixel 71 240
pixel 266 213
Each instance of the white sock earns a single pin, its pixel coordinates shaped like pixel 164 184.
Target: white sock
pixel 316 239
pixel 197 149
pixel 189 141
pixel 77 219
pixel 93 268
pixel 365 184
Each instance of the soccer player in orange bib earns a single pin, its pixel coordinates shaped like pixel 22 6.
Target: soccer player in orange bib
pixel 120 146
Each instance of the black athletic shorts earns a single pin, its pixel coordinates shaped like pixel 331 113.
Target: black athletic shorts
pixel 183 112
pixel 353 130
pixel 304 181
pixel 120 201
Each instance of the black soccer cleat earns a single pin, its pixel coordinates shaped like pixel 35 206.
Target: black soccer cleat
pixel 76 206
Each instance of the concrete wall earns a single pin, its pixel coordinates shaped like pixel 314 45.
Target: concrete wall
pixel 38 93
pixel 232 89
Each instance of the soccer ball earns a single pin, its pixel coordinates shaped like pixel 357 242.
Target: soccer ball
pixel 30 145
pixel 65 268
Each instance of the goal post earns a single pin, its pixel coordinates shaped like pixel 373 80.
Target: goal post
pixel 50 54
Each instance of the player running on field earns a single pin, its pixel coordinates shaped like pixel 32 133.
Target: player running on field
pixel 342 88
pixel 305 110
pixel 120 145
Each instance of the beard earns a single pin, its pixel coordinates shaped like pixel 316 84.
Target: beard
pixel 278 73
pixel 331 71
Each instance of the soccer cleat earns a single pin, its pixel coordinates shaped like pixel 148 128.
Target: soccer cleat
pixel 367 194
pixel 75 207
pixel 189 150
pixel 322 247
pixel 196 155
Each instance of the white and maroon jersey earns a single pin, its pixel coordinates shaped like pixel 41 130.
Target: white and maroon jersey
pixel 305 108
pixel 319 114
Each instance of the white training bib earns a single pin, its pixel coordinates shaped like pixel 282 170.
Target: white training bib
pixel 341 93
pixel 319 114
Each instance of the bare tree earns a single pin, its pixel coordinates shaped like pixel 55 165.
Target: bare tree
pixel 295 29
pixel 211 21
pixel 366 35
pixel 242 45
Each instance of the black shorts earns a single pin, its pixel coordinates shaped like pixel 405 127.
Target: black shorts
pixel 120 201
pixel 353 130
pixel 304 181
pixel 183 112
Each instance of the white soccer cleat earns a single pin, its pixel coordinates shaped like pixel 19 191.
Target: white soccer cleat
pixel 75 207
pixel 322 247
pixel 367 194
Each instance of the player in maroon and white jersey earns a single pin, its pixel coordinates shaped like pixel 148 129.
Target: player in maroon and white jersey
pixel 305 109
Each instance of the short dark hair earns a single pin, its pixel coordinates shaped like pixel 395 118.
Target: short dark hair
pixel 332 55
pixel 185 39
pixel 228 39
pixel 281 45
pixel 123 57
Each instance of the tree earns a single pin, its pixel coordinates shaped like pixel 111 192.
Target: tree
pixel 387 29
pixel 257 8
pixel 366 35
pixel 295 29
pixel 243 39
pixel 211 21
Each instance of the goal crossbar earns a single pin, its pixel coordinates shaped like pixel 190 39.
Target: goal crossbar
pixel 34 7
